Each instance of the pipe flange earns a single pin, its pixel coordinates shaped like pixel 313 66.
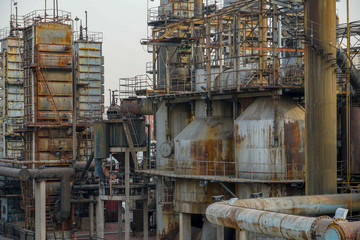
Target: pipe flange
pixel 339 220
pixel 313 225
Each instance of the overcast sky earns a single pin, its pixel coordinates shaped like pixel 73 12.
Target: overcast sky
pixel 123 23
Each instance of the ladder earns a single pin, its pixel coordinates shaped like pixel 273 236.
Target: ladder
pixel 49 222
pixel 130 141
pixel 50 98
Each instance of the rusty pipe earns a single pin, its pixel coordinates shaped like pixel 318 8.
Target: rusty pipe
pixel 260 221
pixel 51 173
pixel 65 199
pixel 22 174
pixel 343 230
pixel 302 205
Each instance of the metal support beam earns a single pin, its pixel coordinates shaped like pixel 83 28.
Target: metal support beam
pixel 220 232
pixel 146 220
pixel 120 220
pixel 127 195
pixel 185 226
pixel 91 216
pixel 100 218
pixel 40 209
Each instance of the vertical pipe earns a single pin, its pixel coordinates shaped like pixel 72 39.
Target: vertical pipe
pixel 74 101
pixel 127 195
pixel 220 52
pixel 275 48
pixel 167 70
pixel 146 220
pixel 86 26
pixel 54 9
pixel 120 220
pixel 208 56
pixel 320 97
pixel 91 216
pixel 154 63
pixel 198 8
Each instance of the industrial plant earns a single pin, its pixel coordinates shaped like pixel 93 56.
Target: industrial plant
pixel 245 125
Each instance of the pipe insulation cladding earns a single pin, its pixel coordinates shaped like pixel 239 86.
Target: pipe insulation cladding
pixel 272 216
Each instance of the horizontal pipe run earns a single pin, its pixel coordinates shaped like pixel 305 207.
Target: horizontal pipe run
pixel 87 187
pixel 274 216
pixel 260 221
pixel 301 205
pixel 22 174
pixel 33 162
pixel 51 173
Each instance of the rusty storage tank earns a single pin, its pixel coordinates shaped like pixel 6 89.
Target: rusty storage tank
pixel 203 148
pixel 269 148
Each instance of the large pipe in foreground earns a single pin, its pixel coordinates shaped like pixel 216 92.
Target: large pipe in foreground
pixel 320 96
pixel 260 221
pixel 301 205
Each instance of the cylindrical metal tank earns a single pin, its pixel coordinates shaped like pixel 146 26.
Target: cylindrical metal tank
pixel 203 148
pixel 269 146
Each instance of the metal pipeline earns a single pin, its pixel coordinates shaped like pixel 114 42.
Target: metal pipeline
pixel 22 174
pixel 88 163
pixel 302 205
pixel 341 60
pixel 65 197
pixel 260 221
pixel 271 216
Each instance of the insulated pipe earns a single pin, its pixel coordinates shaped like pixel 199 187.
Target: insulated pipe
pixel 341 60
pixel 51 173
pixel 301 205
pixel 262 222
pixel 22 174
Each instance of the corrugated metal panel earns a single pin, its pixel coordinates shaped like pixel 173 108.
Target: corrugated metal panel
pixel 270 141
pixel 13 96
pixel 89 78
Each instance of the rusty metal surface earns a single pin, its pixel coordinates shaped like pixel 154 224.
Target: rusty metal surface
pixel 204 147
pixel 343 230
pixel 192 198
pixel 259 221
pixel 269 140
pixel 320 96
pixel 12 93
pixel 303 205
pixel 354 139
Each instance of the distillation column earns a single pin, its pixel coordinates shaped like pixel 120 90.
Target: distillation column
pixel 320 96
